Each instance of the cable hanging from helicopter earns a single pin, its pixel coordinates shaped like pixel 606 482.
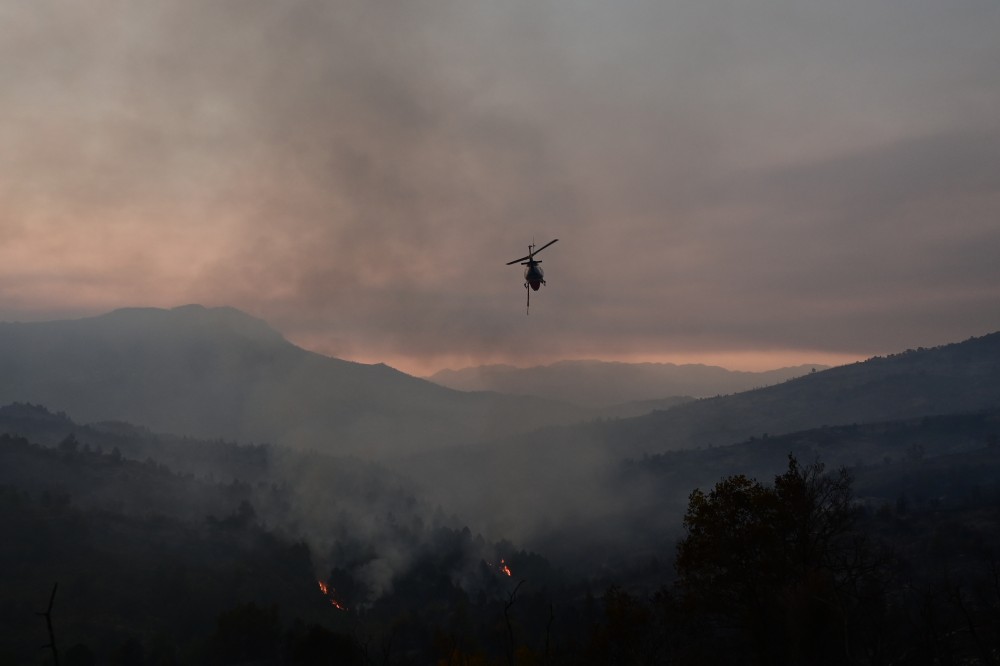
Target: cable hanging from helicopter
pixel 534 277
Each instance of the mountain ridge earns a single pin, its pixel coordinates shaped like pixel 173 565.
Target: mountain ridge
pixel 952 378
pixel 598 383
pixel 218 372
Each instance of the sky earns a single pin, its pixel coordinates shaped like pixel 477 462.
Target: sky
pixel 753 183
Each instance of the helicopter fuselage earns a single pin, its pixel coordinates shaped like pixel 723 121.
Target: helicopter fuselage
pixel 533 275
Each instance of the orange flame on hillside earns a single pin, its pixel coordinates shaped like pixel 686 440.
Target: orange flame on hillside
pixel 502 567
pixel 327 592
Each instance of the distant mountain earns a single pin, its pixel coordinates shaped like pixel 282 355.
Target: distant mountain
pixel 956 378
pixel 628 410
pixel 220 373
pixel 601 384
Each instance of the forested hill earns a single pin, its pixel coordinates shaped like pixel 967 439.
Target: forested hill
pixel 955 378
pixel 217 372
pixel 157 567
pixel 221 565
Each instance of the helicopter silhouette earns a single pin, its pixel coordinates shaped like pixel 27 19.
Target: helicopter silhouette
pixel 533 275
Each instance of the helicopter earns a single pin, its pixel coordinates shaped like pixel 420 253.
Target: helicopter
pixel 533 275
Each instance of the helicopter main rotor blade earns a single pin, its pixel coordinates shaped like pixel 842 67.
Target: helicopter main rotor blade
pixel 544 246
pixel 533 253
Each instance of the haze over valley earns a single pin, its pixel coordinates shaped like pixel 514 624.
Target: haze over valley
pixel 391 517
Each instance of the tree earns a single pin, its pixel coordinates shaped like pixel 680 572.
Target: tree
pixel 776 571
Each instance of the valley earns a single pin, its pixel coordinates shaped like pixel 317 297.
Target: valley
pixel 510 535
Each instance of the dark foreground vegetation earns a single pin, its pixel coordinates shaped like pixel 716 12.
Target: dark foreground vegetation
pixel 189 552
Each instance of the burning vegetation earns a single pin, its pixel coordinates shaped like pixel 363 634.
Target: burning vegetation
pixel 330 594
pixel 501 568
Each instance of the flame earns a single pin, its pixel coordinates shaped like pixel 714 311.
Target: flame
pixel 502 567
pixel 325 589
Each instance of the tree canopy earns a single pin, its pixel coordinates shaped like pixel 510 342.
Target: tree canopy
pixel 775 570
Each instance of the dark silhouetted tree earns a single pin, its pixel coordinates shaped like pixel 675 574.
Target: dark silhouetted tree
pixel 778 571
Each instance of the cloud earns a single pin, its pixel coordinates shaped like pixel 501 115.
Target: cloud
pixel 763 176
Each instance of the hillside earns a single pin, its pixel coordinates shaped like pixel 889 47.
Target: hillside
pixel 960 377
pixel 220 565
pixel 601 384
pixel 219 373
pixel 933 461
pixel 158 567
pixel 548 486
